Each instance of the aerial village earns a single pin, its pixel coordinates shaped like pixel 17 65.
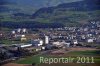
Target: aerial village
pixel 22 42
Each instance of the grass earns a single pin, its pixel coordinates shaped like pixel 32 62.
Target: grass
pixel 90 53
pixel 7 42
pixel 35 59
pixel 58 16
pixel 29 60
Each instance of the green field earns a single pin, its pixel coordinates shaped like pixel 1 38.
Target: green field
pixel 35 59
pixel 85 53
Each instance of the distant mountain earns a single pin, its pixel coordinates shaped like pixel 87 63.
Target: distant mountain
pixel 4 6
pixel 29 6
pixel 73 13
pixel 69 13
pixel 85 5
pixel 41 3
pixel 3 2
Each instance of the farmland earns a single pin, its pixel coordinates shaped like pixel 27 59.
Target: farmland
pixel 74 54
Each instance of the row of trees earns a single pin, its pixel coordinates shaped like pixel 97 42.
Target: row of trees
pixel 30 25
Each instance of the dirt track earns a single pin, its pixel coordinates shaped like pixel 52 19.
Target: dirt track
pixel 82 49
pixel 13 64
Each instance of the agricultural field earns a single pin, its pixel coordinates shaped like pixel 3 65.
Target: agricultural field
pixel 74 54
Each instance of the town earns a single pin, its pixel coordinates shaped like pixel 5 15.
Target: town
pixel 22 42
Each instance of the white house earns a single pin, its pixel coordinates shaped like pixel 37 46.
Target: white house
pixel 90 40
pixel 75 42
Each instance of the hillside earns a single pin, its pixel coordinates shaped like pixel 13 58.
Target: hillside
pixel 28 6
pixel 66 14
pixel 41 3
pixel 69 13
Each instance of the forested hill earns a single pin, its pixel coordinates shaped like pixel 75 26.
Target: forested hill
pixel 85 5
pixel 66 14
pixel 74 13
